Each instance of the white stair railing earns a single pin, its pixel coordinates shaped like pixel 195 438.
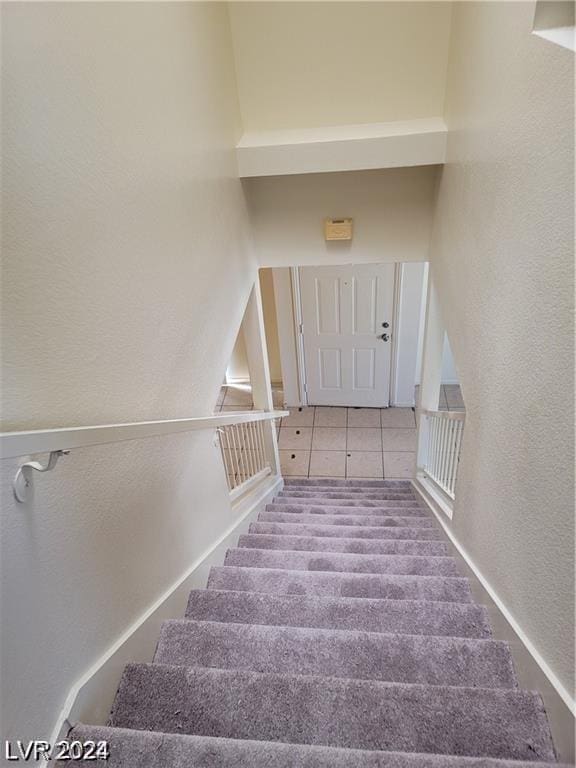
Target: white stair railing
pixel 244 455
pixel 442 448
pixel 247 439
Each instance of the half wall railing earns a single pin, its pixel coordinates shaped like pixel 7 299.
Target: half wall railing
pixel 246 448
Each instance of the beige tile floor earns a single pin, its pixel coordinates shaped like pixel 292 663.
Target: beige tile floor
pixel 343 442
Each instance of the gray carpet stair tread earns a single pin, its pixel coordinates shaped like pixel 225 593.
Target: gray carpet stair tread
pixel 323 584
pixel 349 654
pixel 337 633
pixel 411 617
pixel 310 507
pixel 149 749
pixel 340 501
pixel 352 495
pixel 406 491
pixel 331 711
pixel 342 562
pixel 347 519
pixel 358 546
pixel 340 483
pixel 295 526
pixel 401 499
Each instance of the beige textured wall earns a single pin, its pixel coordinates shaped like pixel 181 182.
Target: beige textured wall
pixel 238 365
pixel 502 259
pixel 392 211
pixel 122 212
pixel 313 64
pixel 270 324
pixel 126 268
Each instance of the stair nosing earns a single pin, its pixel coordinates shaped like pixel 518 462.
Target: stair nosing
pixel 342 680
pixel 346 573
pixel 324 553
pixel 272 627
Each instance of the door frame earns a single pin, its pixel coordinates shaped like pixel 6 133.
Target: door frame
pixel 299 336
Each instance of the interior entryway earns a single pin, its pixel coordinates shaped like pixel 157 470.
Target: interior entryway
pixel 344 335
pixel 347 314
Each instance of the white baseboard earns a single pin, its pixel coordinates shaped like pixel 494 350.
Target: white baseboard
pixel 91 697
pixel 562 692
pixel 434 495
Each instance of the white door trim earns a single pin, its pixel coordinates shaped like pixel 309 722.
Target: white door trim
pixel 398 272
pixel 298 336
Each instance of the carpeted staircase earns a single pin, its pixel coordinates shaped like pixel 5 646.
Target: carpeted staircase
pixel 338 634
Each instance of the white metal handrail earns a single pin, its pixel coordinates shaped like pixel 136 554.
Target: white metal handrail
pixel 445 429
pixel 59 442
pixel 13 444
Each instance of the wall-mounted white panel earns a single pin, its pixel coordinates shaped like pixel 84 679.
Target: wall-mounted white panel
pixel 392 211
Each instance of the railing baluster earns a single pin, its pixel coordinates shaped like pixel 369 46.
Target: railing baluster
pixel 437 450
pixel 450 483
pixel 250 448
pixel 247 451
pixel 262 460
pixel 446 452
pixel 225 450
pixel 440 463
pixel 244 474
pixel 457 454
pixel 441 448
pixel 429 458
pixel 235 454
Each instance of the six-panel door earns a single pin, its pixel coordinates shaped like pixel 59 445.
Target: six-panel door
pixel 343 311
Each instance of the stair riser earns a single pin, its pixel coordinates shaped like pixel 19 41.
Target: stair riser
pixel 129 749
pixel 372 521
pixel 355 546
pixel 400 616
pixel 333 712
pixel 347 531
pixel 298 493
pixel 408 491
pixel 339 483
pixel 400 498
pixel 335 500
pixel 315 509
pixel 321 584
pixel 342 562
pixel 352 655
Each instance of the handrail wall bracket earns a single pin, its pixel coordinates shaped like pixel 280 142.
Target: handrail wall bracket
pixel 23 479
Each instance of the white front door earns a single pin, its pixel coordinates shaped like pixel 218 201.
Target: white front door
pixel 346 340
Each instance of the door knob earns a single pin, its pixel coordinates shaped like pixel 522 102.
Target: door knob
pixel 384 337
